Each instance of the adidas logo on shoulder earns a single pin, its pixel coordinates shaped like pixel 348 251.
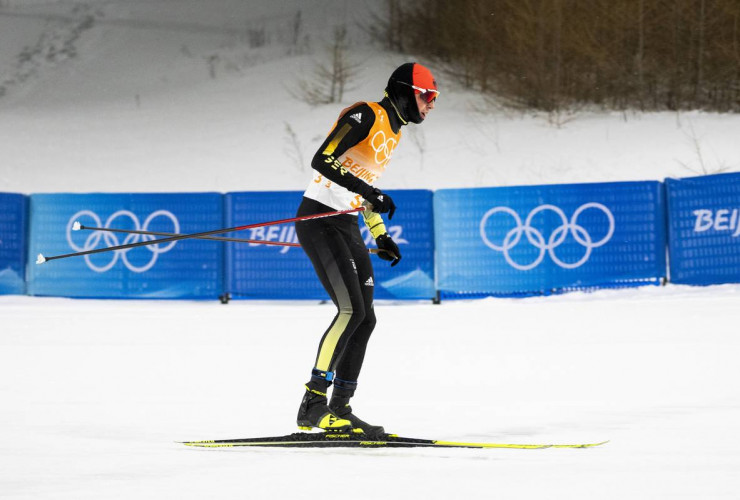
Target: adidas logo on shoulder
pixel 357 117
pixel 370 282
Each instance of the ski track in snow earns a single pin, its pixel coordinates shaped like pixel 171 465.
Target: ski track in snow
pixel 96 394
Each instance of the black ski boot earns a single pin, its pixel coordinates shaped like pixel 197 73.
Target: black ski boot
pixel 339 405
pixel 314 413
pixel 344 411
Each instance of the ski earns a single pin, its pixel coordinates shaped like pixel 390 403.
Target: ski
pixel 358 440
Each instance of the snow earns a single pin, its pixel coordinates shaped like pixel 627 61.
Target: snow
pixel 137 109
pixel 95 394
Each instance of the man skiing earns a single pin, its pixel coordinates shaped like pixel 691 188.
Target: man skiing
pixel 346 166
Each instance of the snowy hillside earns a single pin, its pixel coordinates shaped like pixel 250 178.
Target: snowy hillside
pixel 191 95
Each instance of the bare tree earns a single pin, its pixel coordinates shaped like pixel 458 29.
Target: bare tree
pixel 555 54
pixel 329 81
pixel 299 40
pixel 388 29
pixel 293 147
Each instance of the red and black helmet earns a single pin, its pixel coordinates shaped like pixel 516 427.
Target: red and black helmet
pixel 406 81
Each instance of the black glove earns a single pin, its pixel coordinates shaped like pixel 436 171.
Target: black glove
pixel 381 202
pixel 387 249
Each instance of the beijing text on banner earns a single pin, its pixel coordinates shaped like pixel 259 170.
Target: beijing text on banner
pixel 258 271
pixel 704 229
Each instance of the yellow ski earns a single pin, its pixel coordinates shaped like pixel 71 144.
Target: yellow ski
pixel 354 440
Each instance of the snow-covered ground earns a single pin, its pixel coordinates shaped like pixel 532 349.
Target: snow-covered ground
pixel 169 95
pixel 95 394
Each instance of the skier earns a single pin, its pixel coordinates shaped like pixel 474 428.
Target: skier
pixel 346 166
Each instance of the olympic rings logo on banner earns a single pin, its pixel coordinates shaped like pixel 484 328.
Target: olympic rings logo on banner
pixel 111 239
pixel 537 239
pixel 383 147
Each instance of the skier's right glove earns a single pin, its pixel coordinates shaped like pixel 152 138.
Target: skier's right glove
pixel 381 202
pixel 387 249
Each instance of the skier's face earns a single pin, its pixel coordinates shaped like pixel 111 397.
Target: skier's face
pixel 424 107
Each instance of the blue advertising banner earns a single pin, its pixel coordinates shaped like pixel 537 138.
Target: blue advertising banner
pixel 544 239
pixel 191 269
pixel 13 232
pixel 259 271
pixel 704 229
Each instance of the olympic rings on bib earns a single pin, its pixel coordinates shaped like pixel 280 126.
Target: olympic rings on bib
pixel 383 147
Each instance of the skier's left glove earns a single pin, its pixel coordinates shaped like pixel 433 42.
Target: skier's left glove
pixel 387 249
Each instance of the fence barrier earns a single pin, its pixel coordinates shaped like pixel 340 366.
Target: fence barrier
pixel 13 241
pixel 456 243
pixel 704 229
pixel 190 269
pixel 528 240
pixel 278 272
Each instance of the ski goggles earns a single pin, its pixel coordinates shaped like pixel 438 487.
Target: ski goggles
pixel 428 95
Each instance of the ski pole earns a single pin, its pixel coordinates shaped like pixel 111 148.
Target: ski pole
pixel 41 259
pixel 77 227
